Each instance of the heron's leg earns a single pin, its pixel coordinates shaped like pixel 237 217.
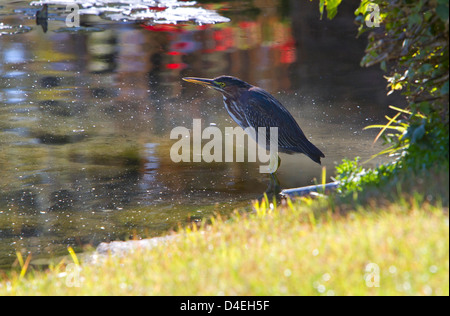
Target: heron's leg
pixel 274 163
pixel 274 187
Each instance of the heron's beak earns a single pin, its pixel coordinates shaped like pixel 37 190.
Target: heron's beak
pixel 204 82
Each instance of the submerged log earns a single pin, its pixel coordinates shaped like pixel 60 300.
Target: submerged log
pixel 302 191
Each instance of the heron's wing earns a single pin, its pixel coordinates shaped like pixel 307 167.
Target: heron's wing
pixel 263 110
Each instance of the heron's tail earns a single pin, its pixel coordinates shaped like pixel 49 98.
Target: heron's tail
pixel 315 154
pixel 307 148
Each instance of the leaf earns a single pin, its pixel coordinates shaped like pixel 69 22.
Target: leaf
pixel 442 11
pixel 414 19
pixel 362 7
pixel 397 86
pixel 418 133
pixel 321 7
pixel 444 89
pixel 332 6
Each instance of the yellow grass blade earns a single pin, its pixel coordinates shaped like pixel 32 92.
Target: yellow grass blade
pixel 19 258
pixel 324 177
pixel 383 152
pixel 25 267
pixel 386 127
pixel 73 255
pixel 406 111
pixel 399 110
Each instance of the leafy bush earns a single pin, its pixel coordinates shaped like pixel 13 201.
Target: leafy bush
pixel 411 45
pixel 354 178
pixel 414 41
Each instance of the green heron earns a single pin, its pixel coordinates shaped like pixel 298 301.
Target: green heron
pixel 250 106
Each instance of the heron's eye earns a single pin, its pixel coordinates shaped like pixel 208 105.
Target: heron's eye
pixel 220 84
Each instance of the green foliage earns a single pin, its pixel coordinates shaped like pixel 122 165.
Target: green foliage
pixel 411 45
pixel 418 148
pixel 331 7
pixel 419 144
pixel 428 146
pixel 414 41
pixel 354 178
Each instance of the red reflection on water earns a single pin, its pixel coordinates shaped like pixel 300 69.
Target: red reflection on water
pixel 288 53
pixel 224 39
pixel 173 53
pixel 157 8
pixel 176 66
pixel 164 28
pixel 246 24
pixel 184 39
pixel 180 45
pixel 202 27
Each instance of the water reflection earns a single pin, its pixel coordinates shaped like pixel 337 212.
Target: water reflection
pixel 85 116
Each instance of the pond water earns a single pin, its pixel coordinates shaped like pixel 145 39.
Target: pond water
pixel 86 112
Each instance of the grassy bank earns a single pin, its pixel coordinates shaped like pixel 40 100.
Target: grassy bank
pixel 302 248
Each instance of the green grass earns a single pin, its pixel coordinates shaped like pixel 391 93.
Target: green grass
pixel 302 248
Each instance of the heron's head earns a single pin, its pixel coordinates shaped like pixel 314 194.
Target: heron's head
pixel 229 86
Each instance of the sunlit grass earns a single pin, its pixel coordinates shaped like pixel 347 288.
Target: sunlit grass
pixel 298 248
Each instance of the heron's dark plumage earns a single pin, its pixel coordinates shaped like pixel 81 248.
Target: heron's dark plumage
pixel 251 106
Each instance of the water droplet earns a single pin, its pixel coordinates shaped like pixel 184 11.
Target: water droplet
pixel 321 288
pixel 326 277
pixel 427 290
pixel 392 269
